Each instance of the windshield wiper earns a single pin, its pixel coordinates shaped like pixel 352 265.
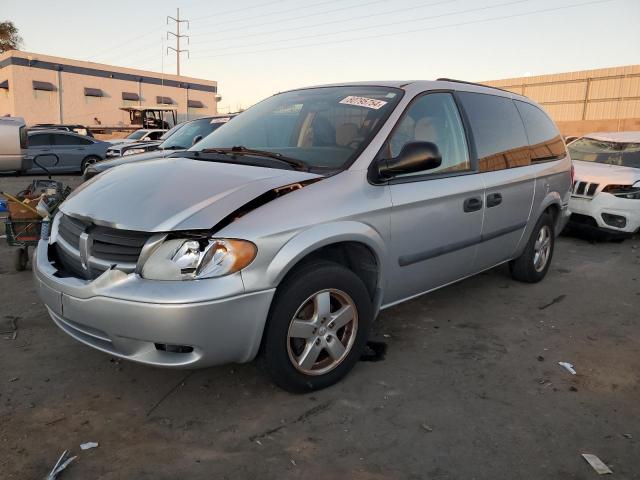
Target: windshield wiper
pixel 241 150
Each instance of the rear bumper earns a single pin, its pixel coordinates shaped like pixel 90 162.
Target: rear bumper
pixel 204 322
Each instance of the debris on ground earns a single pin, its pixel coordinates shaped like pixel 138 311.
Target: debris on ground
pixel 62 463
pixel 553 302
pixel 627 435
pixel 597 464
pixel 88 445
pixel 568 366
pixel 427 428
pixel 13 333
pixel 540 358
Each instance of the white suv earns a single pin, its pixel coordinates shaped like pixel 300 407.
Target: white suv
pixel 606 191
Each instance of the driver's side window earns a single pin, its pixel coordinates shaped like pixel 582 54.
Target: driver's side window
pixel 434 117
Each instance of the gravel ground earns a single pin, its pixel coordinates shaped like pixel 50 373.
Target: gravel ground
pixel 469 388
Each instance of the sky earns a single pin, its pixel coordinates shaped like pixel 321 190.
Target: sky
pixel 255 48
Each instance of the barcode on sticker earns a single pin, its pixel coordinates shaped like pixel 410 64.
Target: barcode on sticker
pixel 364 102
pixel 220 120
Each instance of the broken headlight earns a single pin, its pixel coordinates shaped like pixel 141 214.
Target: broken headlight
pixel 190 259
pixel 624 191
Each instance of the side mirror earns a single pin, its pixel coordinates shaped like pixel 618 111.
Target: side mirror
pixel 414 157
pixel 196 139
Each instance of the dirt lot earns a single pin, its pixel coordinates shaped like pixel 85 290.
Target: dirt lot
pixel 469 388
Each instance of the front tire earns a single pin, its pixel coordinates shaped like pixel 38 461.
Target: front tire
pixel 318 327
pixel 533 264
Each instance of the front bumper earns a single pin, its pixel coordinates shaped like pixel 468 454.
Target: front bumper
pixel 133 318
pixel 605 203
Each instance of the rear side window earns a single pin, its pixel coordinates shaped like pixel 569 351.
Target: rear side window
pixel 39 140
pixel 69 140
pixel 544 138
pixel 498 132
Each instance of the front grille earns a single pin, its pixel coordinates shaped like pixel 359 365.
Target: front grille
pixel 584 189
pixel 101 247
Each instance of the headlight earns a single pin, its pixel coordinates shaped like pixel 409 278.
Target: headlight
pixel 190 259
pixel 133 151
pixel 624 191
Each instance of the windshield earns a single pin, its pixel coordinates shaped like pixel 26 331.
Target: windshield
pixel 600 151
pixel 137 135
pixel 324 127
pixel 183 137
pixel 171 131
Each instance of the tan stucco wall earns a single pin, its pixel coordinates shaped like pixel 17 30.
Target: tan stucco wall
pixel 603 99
pixel 22 100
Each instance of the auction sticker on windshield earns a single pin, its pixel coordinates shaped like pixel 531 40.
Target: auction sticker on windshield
pixel 220 120
pixel 364 102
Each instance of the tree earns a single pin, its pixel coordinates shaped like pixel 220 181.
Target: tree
pixel 9 37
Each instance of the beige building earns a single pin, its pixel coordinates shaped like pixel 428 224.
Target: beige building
pixel 46 89
pixel 606 99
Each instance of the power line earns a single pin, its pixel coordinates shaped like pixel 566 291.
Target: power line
pixel 264 4
pixel 391 34
pixel 365 4
pixel 133 39
pixel 344 20
pixel 383 25
pixel 178 37
pixel 270 14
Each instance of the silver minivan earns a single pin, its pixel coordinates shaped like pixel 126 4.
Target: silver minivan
pixel 285 232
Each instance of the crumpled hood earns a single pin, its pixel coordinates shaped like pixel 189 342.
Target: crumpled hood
pixel 173 193
pixel 605 174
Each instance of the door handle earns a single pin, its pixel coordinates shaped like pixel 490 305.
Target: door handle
pixel 472 204
pixel 494 199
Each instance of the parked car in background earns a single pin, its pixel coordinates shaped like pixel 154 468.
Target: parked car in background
pixel 79 129
pixel 290 228
pixel 179 138
pixel 62 151
pixel 141 135
pixel 606 191
pixel 131 148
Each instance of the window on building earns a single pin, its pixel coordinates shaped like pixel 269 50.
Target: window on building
pixel 544 138
pixel 130 99
pixel 433 118
pixel 498 132
pixel 160 100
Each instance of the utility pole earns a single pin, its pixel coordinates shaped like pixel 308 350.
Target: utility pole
pixel 178 37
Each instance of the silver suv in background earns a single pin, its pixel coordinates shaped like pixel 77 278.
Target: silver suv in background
pixel 287 231
pixel 179 138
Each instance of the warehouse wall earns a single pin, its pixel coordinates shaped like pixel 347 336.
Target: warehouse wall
pixel 585 101
pixel 44 107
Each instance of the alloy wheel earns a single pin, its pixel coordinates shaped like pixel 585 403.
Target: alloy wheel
pixel 542 248
pixel 322 332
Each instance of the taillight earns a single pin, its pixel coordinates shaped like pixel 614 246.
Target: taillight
pixel 24 138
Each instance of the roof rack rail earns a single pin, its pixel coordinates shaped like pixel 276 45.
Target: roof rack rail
pixel 474 83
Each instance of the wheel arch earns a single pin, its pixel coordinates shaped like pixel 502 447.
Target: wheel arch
pixel 355 245
pixel 551 203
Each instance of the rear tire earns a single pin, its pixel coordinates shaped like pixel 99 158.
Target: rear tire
pixel 533 264
pixel 318 327
pixel 90 160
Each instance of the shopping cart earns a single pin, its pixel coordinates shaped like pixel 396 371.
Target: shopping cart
pixel 30 212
